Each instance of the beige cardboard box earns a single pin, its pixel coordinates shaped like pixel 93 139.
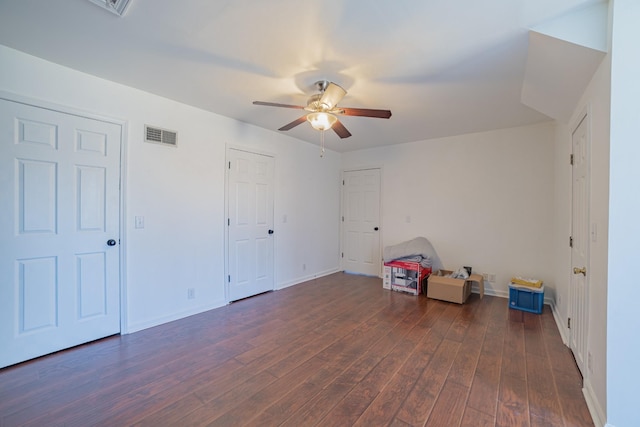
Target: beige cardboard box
pixel 453 290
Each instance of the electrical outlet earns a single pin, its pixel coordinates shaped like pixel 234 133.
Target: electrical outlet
pixel 485 277
pixel 304 267
pixel 492 277
pixel 191 293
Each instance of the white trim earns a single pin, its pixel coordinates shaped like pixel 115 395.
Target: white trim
pixel 559 324
pixel 40 103
pixel 599 418
pixel 175 316
pixel 304 279
pixel 124 132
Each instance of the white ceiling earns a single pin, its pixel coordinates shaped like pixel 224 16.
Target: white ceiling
pixel 443 67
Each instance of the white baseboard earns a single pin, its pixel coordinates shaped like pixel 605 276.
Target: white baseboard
pixel 490 292
pixel 594 407
pixel 135 327
pixel 560 325
pixel 307 278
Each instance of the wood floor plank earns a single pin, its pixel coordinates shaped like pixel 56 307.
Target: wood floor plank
pixel 449 407
pixel 513 402
pixel 543 399
pixel 337 350
pixel 475 418
pixel 464 366
pixel 513 364
pixel 384 407
pixel 486 381
pixel 417 407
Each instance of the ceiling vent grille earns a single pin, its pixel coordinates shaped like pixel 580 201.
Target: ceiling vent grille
pixel 116 6
pixel 160 136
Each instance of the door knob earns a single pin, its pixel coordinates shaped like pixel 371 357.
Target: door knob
pixel 270 231
pixel 111 242
pixel 375 228
pixel 582 270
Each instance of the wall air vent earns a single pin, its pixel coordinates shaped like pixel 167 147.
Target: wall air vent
pixel 116 6
pixel 160 136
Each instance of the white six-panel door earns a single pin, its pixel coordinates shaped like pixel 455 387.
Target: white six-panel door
pixel 59 192
pixel 578 293
pixel 250 224
pixel 361 222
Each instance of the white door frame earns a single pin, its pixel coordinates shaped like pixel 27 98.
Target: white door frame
pixel 380 218
pixel 226 213
pixel 124 131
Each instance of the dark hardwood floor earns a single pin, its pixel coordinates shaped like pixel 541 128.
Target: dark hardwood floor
pixel 336 351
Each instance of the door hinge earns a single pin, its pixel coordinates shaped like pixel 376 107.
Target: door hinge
pixel 229 164
pixel 228 221
pixel 571 159
pixel 568 322
pixel 229 278
pixel 342 218
pixel 342 255
pixel 570 241
pixel 343 182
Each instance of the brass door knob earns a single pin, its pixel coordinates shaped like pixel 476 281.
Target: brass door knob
pixel 582 270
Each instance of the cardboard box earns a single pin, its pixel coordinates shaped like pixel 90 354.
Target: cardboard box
pixel 405 276
pixel 452 290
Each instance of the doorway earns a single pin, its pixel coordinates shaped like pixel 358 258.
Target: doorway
pixel 361 252
pixel 579 282
pixel 59 228
pixel 250 238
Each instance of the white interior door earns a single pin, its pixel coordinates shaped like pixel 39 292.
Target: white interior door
pixel 361 222
pixel 59 192
pixel 250 240
pixel 579 306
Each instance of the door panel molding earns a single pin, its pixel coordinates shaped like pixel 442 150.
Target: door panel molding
pixel 73 143
pixel 578 307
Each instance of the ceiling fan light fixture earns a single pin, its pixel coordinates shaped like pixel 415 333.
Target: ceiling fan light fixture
pixel 321 120
pixel 331 95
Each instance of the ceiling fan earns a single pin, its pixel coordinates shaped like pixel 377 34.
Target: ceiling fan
pixel 323 107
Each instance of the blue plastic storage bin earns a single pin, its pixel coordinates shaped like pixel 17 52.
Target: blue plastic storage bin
pixel 526 299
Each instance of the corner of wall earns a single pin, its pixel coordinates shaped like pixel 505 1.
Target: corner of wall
pixel 599 418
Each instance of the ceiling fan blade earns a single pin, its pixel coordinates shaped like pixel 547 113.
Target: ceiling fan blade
pixel 332 95
pixel 294 123
pixel 339 128
pixel 275 104
pixel 365 112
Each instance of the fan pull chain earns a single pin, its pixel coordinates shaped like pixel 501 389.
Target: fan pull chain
pixel 322 143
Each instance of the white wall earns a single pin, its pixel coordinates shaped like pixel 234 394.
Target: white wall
pixel 623 322
pixel 595 103
pixel 180 191
pixel 482 199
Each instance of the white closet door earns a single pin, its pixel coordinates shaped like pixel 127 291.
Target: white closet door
pixel 250 221
pixel 361 222
pixel 60 198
